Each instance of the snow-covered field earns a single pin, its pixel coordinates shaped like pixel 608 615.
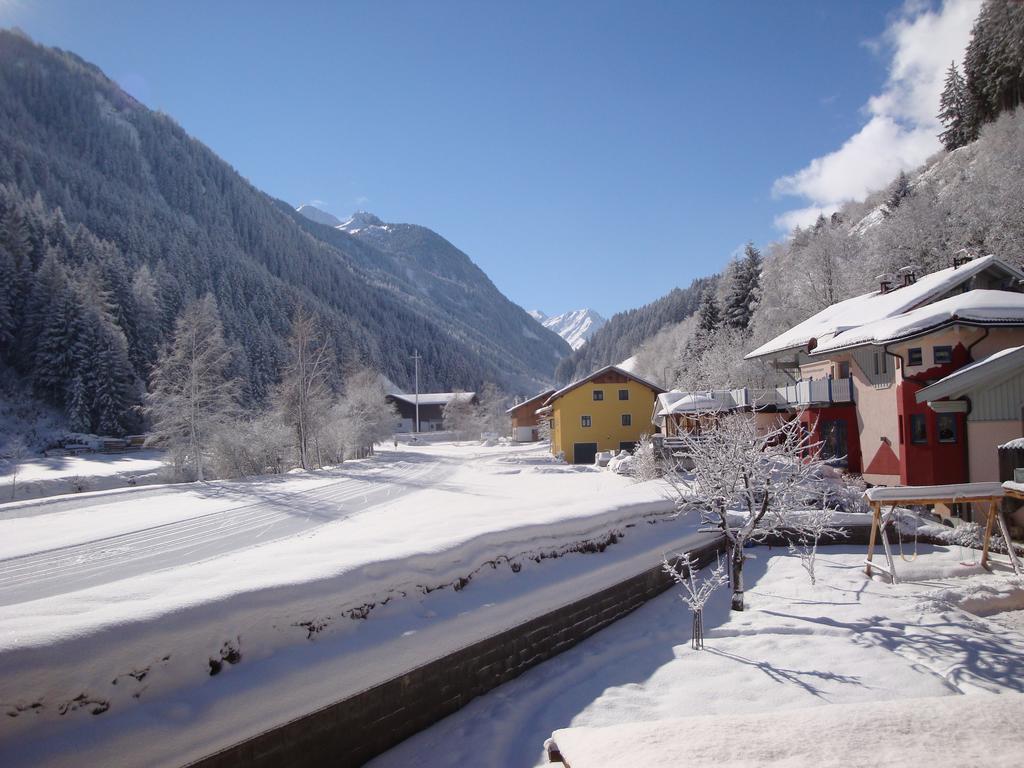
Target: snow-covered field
pixel 40 477
pixel 153 626
pixel 946 630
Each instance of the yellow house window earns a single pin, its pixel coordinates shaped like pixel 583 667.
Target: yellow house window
pixel 623 394
pixel 627 420
pixel 598 394
pixel 584 421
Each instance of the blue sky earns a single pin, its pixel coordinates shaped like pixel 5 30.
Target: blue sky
pixel 583 154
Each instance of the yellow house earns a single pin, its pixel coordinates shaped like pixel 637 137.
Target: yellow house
pixel 606 411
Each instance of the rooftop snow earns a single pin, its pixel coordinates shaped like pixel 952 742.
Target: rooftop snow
pixel 840 318
pixel 432 398
pixel 991 369
pixel 686 402
pixel 979 306
pixel 595 374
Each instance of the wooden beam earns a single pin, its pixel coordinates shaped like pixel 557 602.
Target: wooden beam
pixel 876 512
pixel 989 520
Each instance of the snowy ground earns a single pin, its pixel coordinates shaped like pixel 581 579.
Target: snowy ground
pixel 41 477
pixel 153 626
pixel 939 633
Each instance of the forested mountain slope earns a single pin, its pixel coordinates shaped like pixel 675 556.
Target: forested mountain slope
pixel 127 219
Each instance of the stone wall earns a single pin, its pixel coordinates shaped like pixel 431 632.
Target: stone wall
pixel 352 731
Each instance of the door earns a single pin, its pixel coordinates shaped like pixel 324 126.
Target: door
pixel 833 439
pixel 584 453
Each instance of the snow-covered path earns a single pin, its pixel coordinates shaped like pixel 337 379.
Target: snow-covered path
pixel 148 548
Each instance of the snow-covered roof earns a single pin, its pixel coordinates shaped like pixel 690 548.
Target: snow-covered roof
pixel 988 371
pixel 839 319
pixel 687 402
pixel 600 372
pixel 980 307
pixel 541 397
pixel 432 398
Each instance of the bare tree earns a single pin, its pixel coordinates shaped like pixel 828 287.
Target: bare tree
pixel 752 486
pixel 461 416
pixel 363 416
pixel 697 591
pixel 192 394
pixel 645 462
pixel 304 395
pixel 492 410
pixel 14 452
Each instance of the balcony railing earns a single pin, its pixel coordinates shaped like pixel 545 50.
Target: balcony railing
pixel 817 392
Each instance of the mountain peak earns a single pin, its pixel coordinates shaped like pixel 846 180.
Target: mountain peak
pixel 575 326
pixel 360 220
pixel 313 213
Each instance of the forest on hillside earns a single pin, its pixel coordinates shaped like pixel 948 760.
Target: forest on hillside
pixel 966 199
pixel 113 222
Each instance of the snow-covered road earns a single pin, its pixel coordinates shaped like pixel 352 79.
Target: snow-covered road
pixel 115 606
pixel 146 547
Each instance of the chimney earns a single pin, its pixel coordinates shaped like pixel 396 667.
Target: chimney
pixel 961 257
pixel 885 281
pixel 908 275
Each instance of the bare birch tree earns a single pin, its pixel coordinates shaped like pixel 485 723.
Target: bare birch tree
pixel 192 394
pixel 304 395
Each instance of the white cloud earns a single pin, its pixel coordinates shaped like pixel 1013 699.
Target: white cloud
pixel 902 130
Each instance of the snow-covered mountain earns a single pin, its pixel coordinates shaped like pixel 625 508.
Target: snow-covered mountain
pixel 313 213
pixel 575 327
pixel 358 221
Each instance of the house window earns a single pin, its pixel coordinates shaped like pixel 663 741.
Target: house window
pixel 599 394
pixel 876 363
pixel 627 420
pixel 914 356
pixel 901 430
pixel 942 355
pixel 844 369
pixel 584 421
pixel 918 429
pixel 623 394
pixel 945 425
pixel 885 363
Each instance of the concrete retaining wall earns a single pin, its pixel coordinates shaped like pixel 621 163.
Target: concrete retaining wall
pixel 352 731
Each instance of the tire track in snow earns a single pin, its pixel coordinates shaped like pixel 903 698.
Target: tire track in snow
pixel 78 566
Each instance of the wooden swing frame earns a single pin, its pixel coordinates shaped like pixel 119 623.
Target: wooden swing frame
pixel 930 496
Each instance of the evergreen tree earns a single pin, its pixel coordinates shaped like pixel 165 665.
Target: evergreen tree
pixel 7 300
pixel 708 316
pixel 55 323
pixel 744 278
pixel 191 394
pixel 898 190
pixel 954 111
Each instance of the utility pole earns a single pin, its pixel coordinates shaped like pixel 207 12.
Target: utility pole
pixel 416 358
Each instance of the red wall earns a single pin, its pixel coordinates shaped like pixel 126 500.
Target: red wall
pixel 931 463
pixel 814 418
